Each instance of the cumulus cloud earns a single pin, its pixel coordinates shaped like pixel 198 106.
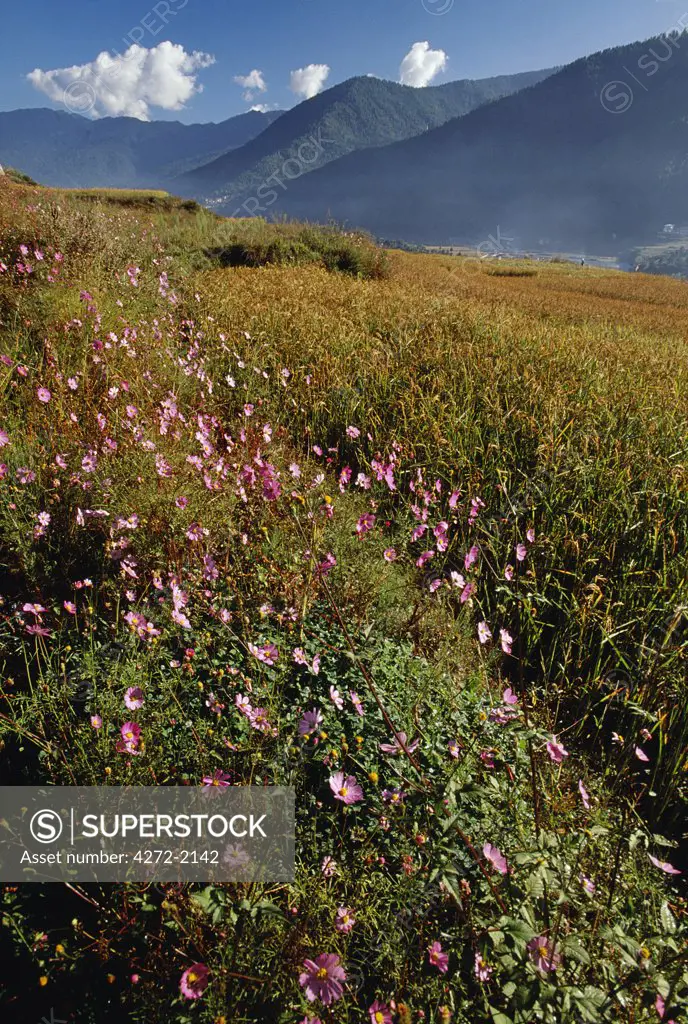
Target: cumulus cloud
pixel 421 64
pixel 128 84
pixel 253 83
pixel 309 81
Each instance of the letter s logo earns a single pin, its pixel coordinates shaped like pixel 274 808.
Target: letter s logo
pixel 46 826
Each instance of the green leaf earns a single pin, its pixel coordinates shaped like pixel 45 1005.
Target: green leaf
pixel 668 920
pixel 573 949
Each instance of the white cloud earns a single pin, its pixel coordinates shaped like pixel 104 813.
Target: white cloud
pixel 126 85
pixel 421 64
pixel 309 81
pixel 253 83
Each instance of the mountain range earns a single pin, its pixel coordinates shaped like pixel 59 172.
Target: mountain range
pixel 593 155
pixel 70 151
pixel 358 114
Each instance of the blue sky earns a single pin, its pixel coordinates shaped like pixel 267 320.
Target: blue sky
pixel 276 37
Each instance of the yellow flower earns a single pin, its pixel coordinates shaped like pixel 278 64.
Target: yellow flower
pixel 43 981
pixel 59 949
pixel 374 777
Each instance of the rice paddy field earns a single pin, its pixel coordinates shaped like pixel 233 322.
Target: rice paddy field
pixel 405 532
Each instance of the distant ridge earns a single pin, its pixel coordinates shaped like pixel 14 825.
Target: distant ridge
pixel 63 149
pixel 357 114
pixel 586 157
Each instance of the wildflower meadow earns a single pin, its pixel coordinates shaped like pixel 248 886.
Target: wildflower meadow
pixel 399 531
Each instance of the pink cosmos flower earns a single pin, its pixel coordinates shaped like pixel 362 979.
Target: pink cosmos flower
pixel 505 640
pixel 268 653
pixel 327 565
pixel 660 1007
pixel 379 1013
pixel 181 501
pixel 397 745
pixel 33 609
pixel 585 796
pixel 496 858
pixel 4 438
pixel 345 788
pixel 543 954
pixel 521 552
pixel 438 958
pixel 484 632
pixel 395 797
pixel 640 754
pixel 43 395
pixel 96 721
pixel 37 630
pixel 353 432
pixel 454 749
pixel 483 970
pixel 133 698
pixel 424 557
pixel 509 572
pixel 664 866
pixel 357 703
pixel 131 733
pixel 328 867
pixel 365 524
pixel 471 557
pixel 556 750
pixel 588 885
pixel 218 779
pixel 323 978
pixel 310 723
pixel 530 534
pixel 336 699
pixel 509 697
pixel 389 554
pixel 194 980
pixel 344 920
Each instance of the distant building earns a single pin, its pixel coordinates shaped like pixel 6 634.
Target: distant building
pixel 674 231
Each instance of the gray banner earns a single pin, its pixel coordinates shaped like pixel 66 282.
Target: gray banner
pixel 146 834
